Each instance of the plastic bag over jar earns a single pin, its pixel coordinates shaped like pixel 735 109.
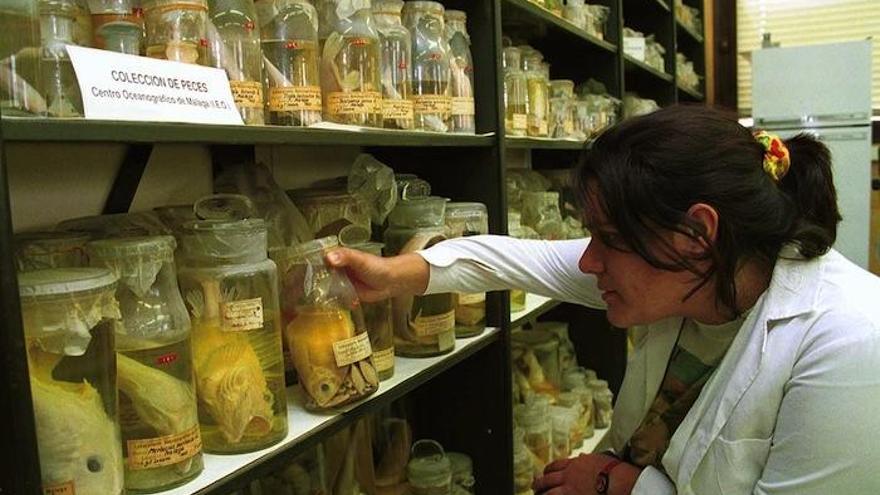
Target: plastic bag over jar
pixel 117 25
pixel 535 357
pixel 157 399
pixel 515 94
pixel 429 470
pixel 69 318
pixel 42 250
pixel 467 219
pixel 396 48
pixel 291 55
pixel 327 335
pixel 176 30
pixel 461 71
pixel 231 292
pixel 21 82
pixel 334 213
pixel 430 62
pixel 234 46
pixel 350 67
pixel 60 85
pixel 380 325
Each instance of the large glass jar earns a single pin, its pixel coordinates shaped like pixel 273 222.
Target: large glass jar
pixel 162 446
pixel 537 99
pixel 537 357
pixel 380 324
pixel 291 53
pixel 515 94
pixel 70 318
pixel 334 213
pixel 327 336
pixel 234 45
pixel 231 291
pixel 429 470
pixel 423 325
pixel 59 80
pixel 42 250
pixel 350 68
pixel 396 47
pixel 467 219
pixel 21 91
pixel 117 25
pixel 177 30
pixel 430 77
pixel 461 69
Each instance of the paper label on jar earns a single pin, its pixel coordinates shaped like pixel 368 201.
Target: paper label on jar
pixel 240 316
pixel 350 351
pixel 247 94
pixel 425 326
pixel 465 298
pixel 66 488
pixel 354 103
pixel 384 360
pixel 568 127
pixel 397 109
pixel 149 453
pixel 432 104
pixel 542 128
pixel 463 105
pixel 295 98
pixel 520 121
pixel 446 340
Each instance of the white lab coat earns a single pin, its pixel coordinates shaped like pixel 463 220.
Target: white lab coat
pixel 794 406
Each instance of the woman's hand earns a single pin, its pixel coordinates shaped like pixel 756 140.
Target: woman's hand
pixel 376 278
pixel 577 476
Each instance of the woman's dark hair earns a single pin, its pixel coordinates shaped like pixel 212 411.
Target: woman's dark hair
pixel 649 170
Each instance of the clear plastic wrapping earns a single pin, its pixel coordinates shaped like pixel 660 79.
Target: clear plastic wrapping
pixel 42 250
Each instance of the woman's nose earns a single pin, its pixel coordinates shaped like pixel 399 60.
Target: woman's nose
pixel 590 261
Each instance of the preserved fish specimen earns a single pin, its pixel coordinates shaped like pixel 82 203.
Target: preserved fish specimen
pixel 430 62
pixel 234 45
pixel 461 68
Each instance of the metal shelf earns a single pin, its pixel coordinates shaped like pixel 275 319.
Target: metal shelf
pixel 535 306
pixel 544 143
pixel 545 18
pixel 636 64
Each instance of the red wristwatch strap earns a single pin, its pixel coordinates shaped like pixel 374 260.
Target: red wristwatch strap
pixel 603 478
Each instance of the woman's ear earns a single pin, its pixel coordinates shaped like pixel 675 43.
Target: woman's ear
pixel 704 224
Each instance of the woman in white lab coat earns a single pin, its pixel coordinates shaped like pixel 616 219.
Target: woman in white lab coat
pixel 756 366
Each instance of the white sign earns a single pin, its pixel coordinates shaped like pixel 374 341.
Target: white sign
pixel 634 47
pixel 117 86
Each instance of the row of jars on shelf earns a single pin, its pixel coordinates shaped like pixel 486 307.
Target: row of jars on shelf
pixel 590 18
pixel 137 367
pixel 382 64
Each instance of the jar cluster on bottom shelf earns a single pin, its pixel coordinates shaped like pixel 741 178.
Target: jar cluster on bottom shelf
pixel 383 63
pixel 557 404
pixel 154 336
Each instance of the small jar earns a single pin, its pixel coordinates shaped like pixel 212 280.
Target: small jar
pixel 572 402
pixel 118 25
pixel 396 47
pixel 380 323
pixel 567 357
pixel 20 24
pixel 429 470
pixel 582 120
pixel 70 317
pixel 538 100
pixel 562 426
pixel 597 20
pixel 177 30
pixel 42 250
pixel 562 88
pixel 576 12
pixel 515 94
pixel 231 291
pixel 462 220
pixel 538 435
pixel 157 396
pixel 603 406
pixel 335 213
pixel 431 96
pixel 234 46
pixel 60 87
pixel 545 347
pixel 291 55
pixel 463 480
pixel 327 336
pixel 461 69
pixel 585 395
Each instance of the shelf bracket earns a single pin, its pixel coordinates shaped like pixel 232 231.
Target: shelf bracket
pixel 128 177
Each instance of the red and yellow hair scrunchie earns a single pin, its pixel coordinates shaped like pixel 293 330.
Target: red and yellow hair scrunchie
pixel 777 160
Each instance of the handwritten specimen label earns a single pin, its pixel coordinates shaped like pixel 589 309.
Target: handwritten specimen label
pixel 465 298
pixel 354 103
pixel 66 488
pixel 352 350
pixel 240 316
pixel 397 109
pixel 425 326
pixel 247 94
pixel 520 121
pixel 384 360
pixel 295 99
pixel 462 105
pixel 149 453
pixel 432 104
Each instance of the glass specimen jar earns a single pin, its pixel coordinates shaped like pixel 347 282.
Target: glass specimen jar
pixel 396 48
pixel 21 91
pixel 177 30
pixel 575 12
pixel 162 445
pixel 463 480
pixel 350 68
pixel 59 80
pixel 461 69
pixel 429 470
pixel 538 434
pixel 334 213
pixel 291 55
pixel 42 250
pixel 430 61
pixel 562 88
pixel 118 25
pixel 537 99
pixel 561 422
pixel 515 93
pixel 603 406
pixel 523 470
pixel 572 402
pixel 423 325
pixel 234 46
pixel 327 336
pixel 380 324
pixel 231 292
pixel 82 24
pixel 467 219
pixel 540 210
pixel 540 359
pixel 70 317
pixel 597 20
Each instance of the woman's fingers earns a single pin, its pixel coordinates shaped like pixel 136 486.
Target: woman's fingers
pixel 547 482
pixel 558 465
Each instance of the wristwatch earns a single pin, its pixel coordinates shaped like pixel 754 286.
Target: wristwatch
pixel 602 479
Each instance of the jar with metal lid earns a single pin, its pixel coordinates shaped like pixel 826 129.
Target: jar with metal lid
pixel 20 27
pixel 515 93
pixel 70 317
pixel 537 98
pixel 231 291
pixel 429 470
pixel 177 30
pixel 157 396
pixel 335 213
pixel 351 73
pixel 117 25
pixel 396 47
pixel 603 406
pixel 463 480
pixel 462 220
pixel 60 87
pixel 291 55
pixel 432 100
pixel 461 71
pixel 380 323
pixel 234 46
pixel 327 336
pixel 540 358
pixel 42 250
